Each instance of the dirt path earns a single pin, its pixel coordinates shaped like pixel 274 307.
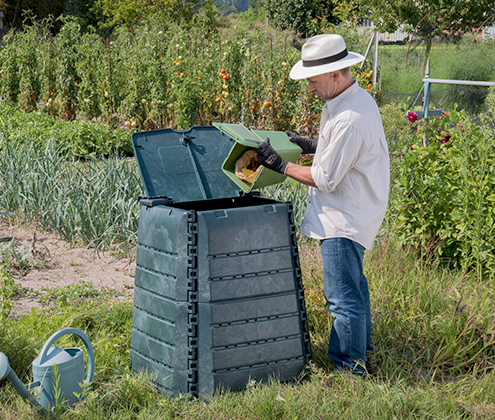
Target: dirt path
pixel 56 264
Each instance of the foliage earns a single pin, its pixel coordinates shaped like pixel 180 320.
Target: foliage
pixel 74 139
pixel 74 293
pixel 477 66
pixel 300 16
pixel 490 104
pixel 444 197
pixel 93 202
pixel 84 11
pixel 227 7
pixel 18 13
pixel 428 18
pixel 147 78
pixel 11 259
pixel 130 12
pixel 8 289
pixel 289 14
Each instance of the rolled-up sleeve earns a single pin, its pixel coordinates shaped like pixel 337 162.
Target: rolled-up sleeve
pixel 339 152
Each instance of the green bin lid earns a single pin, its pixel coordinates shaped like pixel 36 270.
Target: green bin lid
pixel 184 165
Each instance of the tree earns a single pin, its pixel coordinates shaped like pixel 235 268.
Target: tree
pixel 16 11
pixel 227 7
pixel 297 14
pixel 428 18
pixel 128 12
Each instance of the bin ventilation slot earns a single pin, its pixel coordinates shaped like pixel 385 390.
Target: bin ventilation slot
pixel 161 251
pixel 257 319
pixel 159 273
pixel 254 343
pixel 248 275
pixel 258 365
pixel 250 252
pixel 150 337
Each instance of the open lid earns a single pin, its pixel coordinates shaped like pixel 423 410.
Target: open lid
pixel 184 165
pixel 240 134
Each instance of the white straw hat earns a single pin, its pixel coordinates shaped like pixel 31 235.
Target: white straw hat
pixel 322 54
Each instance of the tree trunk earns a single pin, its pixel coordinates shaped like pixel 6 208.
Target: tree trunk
pixel 429 42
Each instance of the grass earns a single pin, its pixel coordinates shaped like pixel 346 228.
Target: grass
pixel 433 358
pixel 463 61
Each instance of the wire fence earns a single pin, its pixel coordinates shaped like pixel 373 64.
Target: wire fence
pixel 472 99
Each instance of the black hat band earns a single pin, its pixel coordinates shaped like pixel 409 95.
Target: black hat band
pixel 326 60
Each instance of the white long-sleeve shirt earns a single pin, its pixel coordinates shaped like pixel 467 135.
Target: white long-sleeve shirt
pixel 351 169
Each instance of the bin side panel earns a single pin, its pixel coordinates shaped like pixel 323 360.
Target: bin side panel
pixel 156 260
pixel 242 333
pixel 150 324
pixel 152 348
pixel 259 262
pixel 252 285
pixel 160 373
pixel 155 282
pixel 161 348
pixel 239 378
pixel 256 354
pixel 162 248
pixel 245 229
pixel 159 227
pixel 252 309
pixel 155 305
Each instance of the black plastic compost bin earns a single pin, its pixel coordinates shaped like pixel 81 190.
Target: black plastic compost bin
pixel 218 294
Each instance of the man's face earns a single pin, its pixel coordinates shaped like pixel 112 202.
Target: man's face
pixel 324 86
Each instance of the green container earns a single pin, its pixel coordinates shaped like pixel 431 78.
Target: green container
pixel 246 139
pixel 218 298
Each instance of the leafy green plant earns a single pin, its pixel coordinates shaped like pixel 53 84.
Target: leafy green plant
pixel 443 197
pixel 75 292
pixel 92 202
pixel 11 258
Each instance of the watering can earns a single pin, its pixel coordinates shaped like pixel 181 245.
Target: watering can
pixel 59 372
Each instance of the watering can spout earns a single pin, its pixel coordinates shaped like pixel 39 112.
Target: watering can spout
pixel 7 373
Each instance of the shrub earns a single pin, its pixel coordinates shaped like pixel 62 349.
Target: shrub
pixel 444 194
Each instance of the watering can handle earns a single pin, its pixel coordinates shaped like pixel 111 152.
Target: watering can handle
pixel 83 337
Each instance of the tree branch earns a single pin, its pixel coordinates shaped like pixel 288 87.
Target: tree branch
pixel 416 28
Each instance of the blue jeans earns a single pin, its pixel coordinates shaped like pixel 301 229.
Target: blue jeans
pixel 348 300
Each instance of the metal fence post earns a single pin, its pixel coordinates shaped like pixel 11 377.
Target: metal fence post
pixel 426 103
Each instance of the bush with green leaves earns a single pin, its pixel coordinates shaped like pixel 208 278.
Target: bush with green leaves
pixel 77 139
pixel 444 196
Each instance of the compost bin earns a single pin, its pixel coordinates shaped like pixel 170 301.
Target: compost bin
pixel 218 296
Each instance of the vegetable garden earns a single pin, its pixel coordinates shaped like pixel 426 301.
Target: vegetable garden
pixel 70 103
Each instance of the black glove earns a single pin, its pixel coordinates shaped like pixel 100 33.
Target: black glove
pixel 269 158
pixel 307 146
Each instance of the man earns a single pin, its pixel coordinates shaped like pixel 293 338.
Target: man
pixel 349 182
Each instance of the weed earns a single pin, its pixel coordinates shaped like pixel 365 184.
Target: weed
pixel 11 258
pixel 74 292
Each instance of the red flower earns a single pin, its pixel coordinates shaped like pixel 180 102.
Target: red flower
pixel 446 138
pixel 412 116
pixel 67 111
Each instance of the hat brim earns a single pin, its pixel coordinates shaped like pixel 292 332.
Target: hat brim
pixel 300 72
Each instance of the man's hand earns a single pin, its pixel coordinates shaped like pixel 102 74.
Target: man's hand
pixel 307 146
pixel 269 158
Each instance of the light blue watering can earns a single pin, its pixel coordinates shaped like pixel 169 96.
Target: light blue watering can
pixel 59 372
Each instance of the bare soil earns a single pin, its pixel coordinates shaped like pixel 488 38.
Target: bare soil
pixel 55 264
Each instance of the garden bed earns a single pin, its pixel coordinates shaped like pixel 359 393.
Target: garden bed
pixel 64 270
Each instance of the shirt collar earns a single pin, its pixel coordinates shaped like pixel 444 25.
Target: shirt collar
pixel 335 103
